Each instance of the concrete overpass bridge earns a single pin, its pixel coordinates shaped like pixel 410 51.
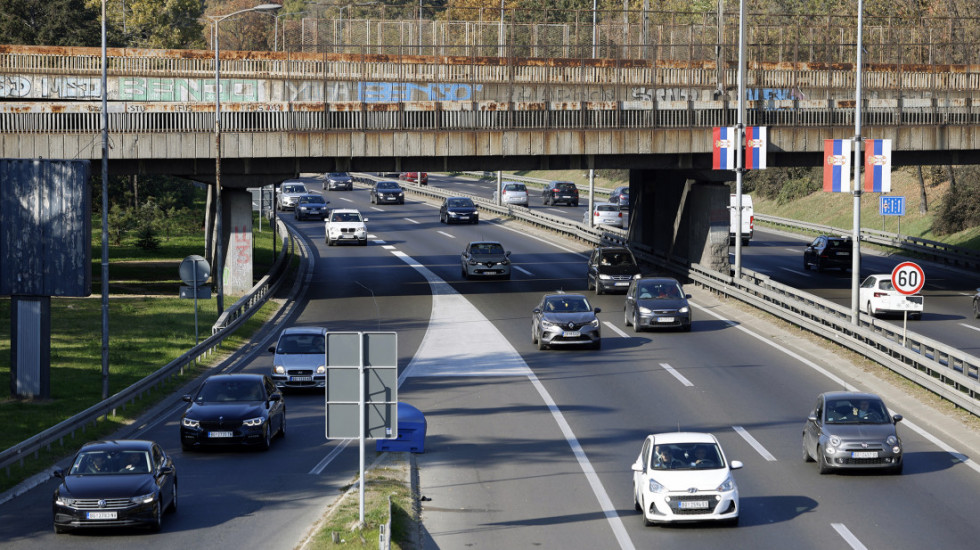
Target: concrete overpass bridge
pixel 286 112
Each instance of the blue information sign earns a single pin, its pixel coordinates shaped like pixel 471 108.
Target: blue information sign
pixel 892 206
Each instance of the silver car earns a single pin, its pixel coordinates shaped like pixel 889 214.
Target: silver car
pixel 512 193
pixel 851 430
pixel 565 319
pixel 656 302
pixel 485 259
pixel 338 180
pixel 289 194
pixel 605 215
pixel 300 358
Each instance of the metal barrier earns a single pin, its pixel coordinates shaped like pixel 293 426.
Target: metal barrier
pixel 224 327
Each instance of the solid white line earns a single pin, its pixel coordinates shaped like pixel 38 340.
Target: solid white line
pixel 755 443
pixel 676 374
pixel 446 234
pixel 410 220
pixel 970 326
pixel 522 270
pixel 615 329
pixel 330 456
pixel 848 537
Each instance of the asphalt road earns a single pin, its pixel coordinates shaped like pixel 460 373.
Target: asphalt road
pixel 531 448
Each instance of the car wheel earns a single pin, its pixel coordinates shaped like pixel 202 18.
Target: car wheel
pixel 626 318
pixel 897 470
pixel 819 265
pixel 186 448
pixel 869 310
pixel 745 242
pixel 597 344
pixel 806 453
pixel 598 288
pixel 732 522
pixel 541 344
pixel 636 501
pixel 637 327
pixel 157 522
pixel 687 327
pixel 282 425
pixel 462 272
pixel 824 467
pixel 575 204
pixel 58 529
pixel 916 316
pixel 173 499
pixel 806 264
pixel 976 309
pixel 534 336
pixel 643 511
pixel 267 438
pixel 363 242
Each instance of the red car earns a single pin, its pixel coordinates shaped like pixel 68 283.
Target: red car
pixel 421 178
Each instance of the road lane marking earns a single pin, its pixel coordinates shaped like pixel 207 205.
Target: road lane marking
pixel 794 250
pixel 796 271
pixel 545 241
pixel 446 234
pixel 615 329
pixel 754 443
pixel 522 270
pixel 322 465
pixel 676 374
pixel 410 220
pixel 848 537
pixel 971 327
pixel 377 209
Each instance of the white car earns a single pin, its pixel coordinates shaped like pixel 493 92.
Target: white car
pixel 684 476
pixel 345 225
pixel 877 296
pixel 512 193
pixel 605 214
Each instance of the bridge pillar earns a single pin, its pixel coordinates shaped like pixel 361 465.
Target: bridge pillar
pixel 679 217
pixel 236 206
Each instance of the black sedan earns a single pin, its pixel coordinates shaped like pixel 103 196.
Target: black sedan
pixel 851 430
pixel 826 251
pixel 387 192
pixel 656 302
pixel 458 210
pixel 233 409
pixel 311 206
pixel 115 483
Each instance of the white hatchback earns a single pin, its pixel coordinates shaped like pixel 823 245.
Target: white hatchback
pixel 684 476
pixel 512 193
pixel 877 296
pixel 605 215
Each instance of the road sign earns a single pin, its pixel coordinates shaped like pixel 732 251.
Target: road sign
pixel 908 278
pixel 361 383
pixel 892 206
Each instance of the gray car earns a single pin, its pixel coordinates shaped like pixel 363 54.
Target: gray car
pixel 334 181
pixel 289 194
pixel 653 302
pixel 565 319
pixel 300 358
pixel 852 430
pixel 485 259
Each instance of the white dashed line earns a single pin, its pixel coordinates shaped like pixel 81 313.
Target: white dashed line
pixel 446 234
pixel 410 220
pixel 615 329
pixel 522 270
pixel 971 327
pixel 848 537
pixel 377 209
pixel 676 374
pixel 796 271
pixel 754 442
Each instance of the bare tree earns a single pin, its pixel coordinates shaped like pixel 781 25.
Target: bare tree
pixel 923 200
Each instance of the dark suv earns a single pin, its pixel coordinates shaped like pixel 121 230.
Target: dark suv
pixel 826 251
pixel 560 192
pixel 611 268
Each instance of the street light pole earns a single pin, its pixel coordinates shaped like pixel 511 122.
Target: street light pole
pixel 219 248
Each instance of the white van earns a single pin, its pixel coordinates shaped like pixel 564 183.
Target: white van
pixel 748 219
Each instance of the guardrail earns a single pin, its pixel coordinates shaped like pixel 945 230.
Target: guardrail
pixel 954 256
pixel 227 323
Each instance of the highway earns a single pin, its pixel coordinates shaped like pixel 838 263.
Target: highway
pixel 531 448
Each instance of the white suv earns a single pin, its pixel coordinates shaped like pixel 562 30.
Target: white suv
pixel 345 225
pixel 300 358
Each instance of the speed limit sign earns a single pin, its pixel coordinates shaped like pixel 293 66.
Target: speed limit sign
pixel 908 278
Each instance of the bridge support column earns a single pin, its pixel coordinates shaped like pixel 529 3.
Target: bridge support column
pixel 680 217
pixel 236 205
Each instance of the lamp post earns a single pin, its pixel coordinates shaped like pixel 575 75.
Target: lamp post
pixel 219 252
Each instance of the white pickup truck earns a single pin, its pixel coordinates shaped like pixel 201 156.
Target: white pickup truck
pixel 345 225
pixel 877 296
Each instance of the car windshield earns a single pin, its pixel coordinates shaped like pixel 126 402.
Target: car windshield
pixel 617 258
pixel 301 343
pixel 607 208
pixel 293 189
pixel 515 187
pixel 231 390
pixel 387 185
pixel 855 411
pixel 111 462
pixel 487 248
pixel 565 187
pixel 662 291
pixel 311 199
pixel 885 284
pixel 338 174
pixel 459 203
pixel 567 304
pixel 837 243
pixel 346 217
pixel 686 456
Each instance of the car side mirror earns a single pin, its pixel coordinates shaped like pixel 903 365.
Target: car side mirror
pixel 536 310
pixel 687 296
pixel 166 470
pixel 507 253
pixel 187 398
pixel 736 465
pixel 897 418
pixel 637 466
pixel 365 219
pixel 597 310
pixel 812 418
pixel 59 473
pixel 272 349
pixel 275 397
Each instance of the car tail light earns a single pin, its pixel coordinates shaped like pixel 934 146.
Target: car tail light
pixel 880 294
pixel 620 214
pixel 751 222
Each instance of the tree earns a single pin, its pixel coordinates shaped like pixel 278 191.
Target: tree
pixel 50 23
pixel 168 24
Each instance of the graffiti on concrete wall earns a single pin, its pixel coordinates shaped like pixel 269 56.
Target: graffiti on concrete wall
pixel 55 87
pixel 187 89
pixel 698 94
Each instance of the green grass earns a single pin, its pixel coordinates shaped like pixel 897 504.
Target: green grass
pixel 149 326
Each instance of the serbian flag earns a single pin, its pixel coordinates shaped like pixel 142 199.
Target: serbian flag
pixel 755 147
pixel 723 146
pixel 837 165
pixel 878 165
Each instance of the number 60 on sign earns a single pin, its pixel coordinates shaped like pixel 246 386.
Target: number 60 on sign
pixel 908 278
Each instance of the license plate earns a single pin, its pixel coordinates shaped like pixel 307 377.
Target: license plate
pixel 100 515
pixel 571 334
pixel 694 505
pixel 348 236
pixel 566 196
pixel 464 217
pixel 864 454
pixel 300 378
pixel 622 284
pixel 219 434
pixel 665 319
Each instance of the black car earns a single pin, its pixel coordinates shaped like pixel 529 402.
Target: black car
pixel 611 268
pixel 657 302
pixel 560 192
pixel 826 251
pixel 311 206
pixel 233 409
pixel 458 210
pixel 621 196
pixel 115 483
pixel 387 192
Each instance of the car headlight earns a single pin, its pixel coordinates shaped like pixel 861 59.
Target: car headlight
pixel 505 262
pixel 254 421
pixel 279 369
pixel 595 323
pixel 728 484
pixel 546 323
pixel 64 501
pixel 656 487
pixel 604 277
pixel 637 276
pixel 320 370
pixel 891 441
pixel 144 499
pixel 834 443
pixel 190 423
pixel 471 261
pixel 645 310
pixel 684 309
